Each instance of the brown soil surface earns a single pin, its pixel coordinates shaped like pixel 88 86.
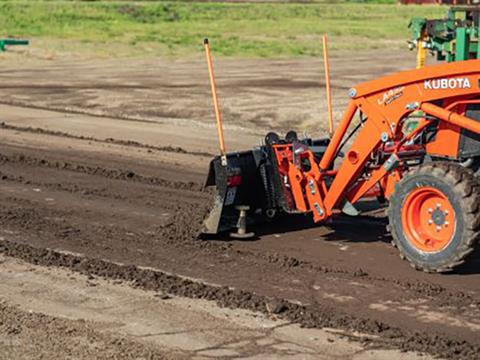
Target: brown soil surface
pixel 27 335
pixel 255 95
pixel 125 203
pixel 58 314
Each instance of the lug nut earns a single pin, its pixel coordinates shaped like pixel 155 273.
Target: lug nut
pixel 430 210
pixel 438 228
pixel 430 222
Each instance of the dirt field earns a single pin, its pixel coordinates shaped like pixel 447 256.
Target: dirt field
pixel 101 167
pixel 255 95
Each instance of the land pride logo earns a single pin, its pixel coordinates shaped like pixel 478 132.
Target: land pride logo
pixel 450 84
pixel 390 96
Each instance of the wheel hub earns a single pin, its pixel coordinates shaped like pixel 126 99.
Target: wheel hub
pixel 428 219
pixel 438 217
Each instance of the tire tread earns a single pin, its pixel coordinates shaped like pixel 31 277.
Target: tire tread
pixel 466 185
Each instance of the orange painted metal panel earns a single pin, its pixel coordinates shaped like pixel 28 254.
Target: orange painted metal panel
pixel 384 105
pixel 386 102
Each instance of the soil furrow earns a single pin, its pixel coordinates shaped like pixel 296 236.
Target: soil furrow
pixel 117 174
pixel 437 293
pixel 131 143
pixel 67 110
pixel 316 315
pixel 70 188
pixel 149 243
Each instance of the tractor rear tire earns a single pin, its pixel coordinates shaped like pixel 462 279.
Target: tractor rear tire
pixel 434 216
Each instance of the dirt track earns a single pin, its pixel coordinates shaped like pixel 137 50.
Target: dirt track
pixel 117 190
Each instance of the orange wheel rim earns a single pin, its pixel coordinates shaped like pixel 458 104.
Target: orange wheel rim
pixel 428 219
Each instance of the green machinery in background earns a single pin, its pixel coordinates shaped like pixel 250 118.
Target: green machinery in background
pixel 9 42
pixel 454 38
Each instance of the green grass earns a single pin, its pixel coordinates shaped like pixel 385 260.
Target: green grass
pixel 240 30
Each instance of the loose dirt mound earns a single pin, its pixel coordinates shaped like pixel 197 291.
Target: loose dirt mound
pixel 186 226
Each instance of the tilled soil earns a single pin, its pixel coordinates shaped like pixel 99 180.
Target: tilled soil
pixel 110 208
pixel 143 217
pixel 313 315
pixel 272 94
pixel 27 335
pixel 178 326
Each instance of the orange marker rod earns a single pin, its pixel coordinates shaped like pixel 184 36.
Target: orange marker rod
pixel 327 83
pixel 216 106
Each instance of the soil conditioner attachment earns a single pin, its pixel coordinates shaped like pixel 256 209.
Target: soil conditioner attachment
pixel 411 139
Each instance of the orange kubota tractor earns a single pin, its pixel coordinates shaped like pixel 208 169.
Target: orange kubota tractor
pixel 416 143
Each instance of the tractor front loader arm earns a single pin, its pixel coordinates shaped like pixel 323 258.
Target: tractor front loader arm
pixel 451 117
pixel 429 94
